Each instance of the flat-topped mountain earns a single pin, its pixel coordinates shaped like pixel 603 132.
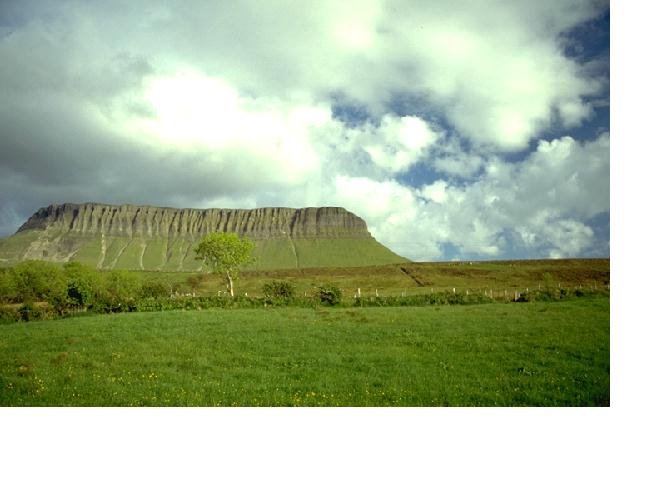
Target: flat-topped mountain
pixel 158 238
pixel 260 223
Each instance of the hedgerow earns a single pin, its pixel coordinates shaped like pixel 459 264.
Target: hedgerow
pixel 34 290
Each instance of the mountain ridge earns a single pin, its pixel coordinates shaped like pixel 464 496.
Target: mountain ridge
pixel 263 222
pixel 163 238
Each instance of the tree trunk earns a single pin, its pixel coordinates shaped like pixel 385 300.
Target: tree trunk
pixel 230 282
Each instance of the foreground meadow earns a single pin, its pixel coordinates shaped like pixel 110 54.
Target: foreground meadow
pixel 515 354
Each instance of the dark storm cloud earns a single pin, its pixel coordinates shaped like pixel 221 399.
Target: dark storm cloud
pixel 51 148
pixel 53 145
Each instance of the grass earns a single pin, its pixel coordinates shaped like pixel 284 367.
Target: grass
pixel 343 252
pixel 13 247
pixel 535 354
pixel 131 255
pixel 153 257
pixel 419 278
pixel 177 254
pixel 89 252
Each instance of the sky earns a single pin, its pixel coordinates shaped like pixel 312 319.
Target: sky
pixel 474 130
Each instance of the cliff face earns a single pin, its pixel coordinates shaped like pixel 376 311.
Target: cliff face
pixel 145 221
pixel 152 238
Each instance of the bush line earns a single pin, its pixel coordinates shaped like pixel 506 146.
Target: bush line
pixel 36 290
pixel 38 311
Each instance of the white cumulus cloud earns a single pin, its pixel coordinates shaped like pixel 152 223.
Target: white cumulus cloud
pixel 201 104
pixel 398 142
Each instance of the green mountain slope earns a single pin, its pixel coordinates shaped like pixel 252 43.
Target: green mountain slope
pixel 126 239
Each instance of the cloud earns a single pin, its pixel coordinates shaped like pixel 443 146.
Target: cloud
pixel 387 200
pixel 398 142
pixel 435 192
pixel 498 75
pixel 262 137
pixel 194 104
pixel 566 173
pixel 392 212
pixel 563 237
pixel 450 157
pixel 538 206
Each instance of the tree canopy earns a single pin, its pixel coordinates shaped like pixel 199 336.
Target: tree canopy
pixel 225 254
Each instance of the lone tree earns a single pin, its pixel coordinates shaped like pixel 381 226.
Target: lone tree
pixel 225 254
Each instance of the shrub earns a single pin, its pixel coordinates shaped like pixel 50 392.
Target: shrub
pixel 154 288
pixel 195 303
pixel 119 293
pixel 108 304
pixel 429 299
pixel 84 284
pixel 329 295
pixel 79 293
pixel 122 285
pixel 31 312
pixel 8 313
pixel 281 291
pixel 37 280
pixel 550 290
pixel 181 288
pixel 8 292
pixel 195 281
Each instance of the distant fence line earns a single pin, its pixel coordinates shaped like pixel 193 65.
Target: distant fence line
pixel 499 292
pixel 494 293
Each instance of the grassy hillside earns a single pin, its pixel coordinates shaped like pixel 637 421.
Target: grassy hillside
pixel 537 354
pixel 177 254
pixel 13 247
pixel 414 277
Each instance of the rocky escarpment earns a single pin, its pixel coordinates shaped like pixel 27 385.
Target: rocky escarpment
pixel 153 238
pixel 146 221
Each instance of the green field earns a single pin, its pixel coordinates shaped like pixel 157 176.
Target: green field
pixel 514 354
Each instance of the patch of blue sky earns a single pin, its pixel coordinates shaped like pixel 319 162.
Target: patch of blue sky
pixel 348 111
pixel 590 40
pixel 600 224
pixel 422 174
pixel 589 44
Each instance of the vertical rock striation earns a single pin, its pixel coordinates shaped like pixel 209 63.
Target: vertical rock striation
pixel 145 221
